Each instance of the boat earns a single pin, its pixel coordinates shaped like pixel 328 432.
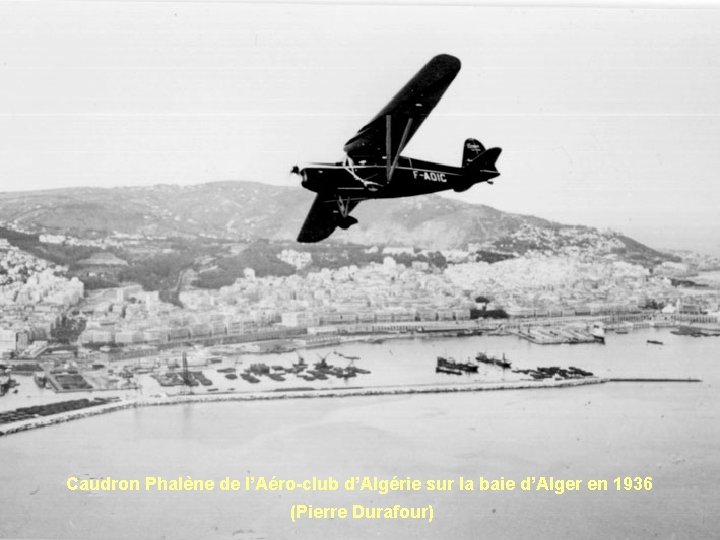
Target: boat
pixel 276 377
pixel 231 376
pixel 493 360
pixel 655 342
pixel 317 374
pixel 597 330
pixel 259 369
pixel 322 365
pixel 226 370
pixel 40 380
pixel 361 371
pixel 351 368
pixel 249 378
pixel 582 372
pixel 299 366
pixel 344 373
pixel 449 370
pixel 450 363
pixel 7 383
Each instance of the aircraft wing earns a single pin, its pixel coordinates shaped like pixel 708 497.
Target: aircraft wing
pixel 322 219
pixel 397 122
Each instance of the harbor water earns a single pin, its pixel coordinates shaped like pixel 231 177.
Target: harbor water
pixel 667 431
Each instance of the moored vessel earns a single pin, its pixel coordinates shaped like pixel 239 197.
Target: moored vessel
pixel 493 360
pixel 451 364
pixel 597 331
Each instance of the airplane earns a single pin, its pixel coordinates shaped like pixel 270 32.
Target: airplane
pixel 373 167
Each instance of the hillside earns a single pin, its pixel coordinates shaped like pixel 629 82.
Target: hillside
pixel 249 211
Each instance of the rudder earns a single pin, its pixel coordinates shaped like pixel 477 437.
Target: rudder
pixel 478 164
pixel 472 149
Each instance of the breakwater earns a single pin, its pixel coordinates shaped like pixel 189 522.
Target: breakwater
pixel 295 393
pixel 645 379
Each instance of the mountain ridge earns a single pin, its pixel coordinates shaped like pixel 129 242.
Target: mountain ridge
pixel 248 211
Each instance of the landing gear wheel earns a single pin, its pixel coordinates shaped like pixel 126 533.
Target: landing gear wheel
pixel 345 222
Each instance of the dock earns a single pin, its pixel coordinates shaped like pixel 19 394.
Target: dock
pixel 555 335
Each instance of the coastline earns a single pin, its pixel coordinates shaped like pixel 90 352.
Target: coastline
pixel 301 393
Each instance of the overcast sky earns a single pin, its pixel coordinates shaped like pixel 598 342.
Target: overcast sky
pixel 607 116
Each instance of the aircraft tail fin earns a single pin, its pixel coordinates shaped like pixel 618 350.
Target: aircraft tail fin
pixel 472 149
pixel 476 159
pixel 478 164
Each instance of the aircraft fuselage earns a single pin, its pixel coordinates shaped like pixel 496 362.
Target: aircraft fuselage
pixel 369 180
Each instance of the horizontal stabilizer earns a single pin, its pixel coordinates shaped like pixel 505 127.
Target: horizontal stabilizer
pixel 483 163
pixel 478 165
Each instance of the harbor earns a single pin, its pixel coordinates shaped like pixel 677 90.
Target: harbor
pixel 405 365
pixel 653 428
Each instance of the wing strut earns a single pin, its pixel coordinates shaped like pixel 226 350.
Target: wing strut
pixel 402 145
pixel 388 146
pixel 390 160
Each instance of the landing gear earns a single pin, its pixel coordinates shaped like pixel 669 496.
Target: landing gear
pixel 344 220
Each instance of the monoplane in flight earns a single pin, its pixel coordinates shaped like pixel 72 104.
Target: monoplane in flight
pixel 373 167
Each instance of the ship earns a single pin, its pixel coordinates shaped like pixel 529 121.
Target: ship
pixel 299 366
pixel 351 370
pixel 6 383
pixel 597 330
pixel 259 369
pixel 40 380
pixel 655 342
pixel 322 365
pixel 320 375
pixel 450 370
pixel 492 360
pixel 581 372
pixel 358 370
pixel 450 363
pixel 226 370
pixel 249 378
pixel 345 373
